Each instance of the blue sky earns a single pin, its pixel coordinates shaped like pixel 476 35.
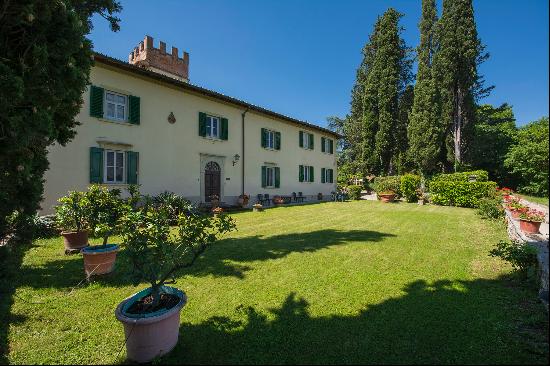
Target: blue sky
pixel 299 57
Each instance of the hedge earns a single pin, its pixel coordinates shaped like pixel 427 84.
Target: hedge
pixel 460 193
pixel 389 183
pixel 481 176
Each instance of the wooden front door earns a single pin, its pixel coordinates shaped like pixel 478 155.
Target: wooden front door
pixel 212 178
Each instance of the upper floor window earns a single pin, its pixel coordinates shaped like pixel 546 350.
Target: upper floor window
pixel 213 127
pixel 116 106
pixel 271 139
pixel 306 140
pixel 327 145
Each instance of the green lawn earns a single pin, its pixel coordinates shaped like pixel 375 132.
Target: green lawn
pixel 535 199
pixel 357 282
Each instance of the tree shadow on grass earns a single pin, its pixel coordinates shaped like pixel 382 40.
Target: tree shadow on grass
pixel 445 322
pixel 218 261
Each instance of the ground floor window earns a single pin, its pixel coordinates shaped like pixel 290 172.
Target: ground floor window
pixel 326 175
pixel 114 166
pixel 271 176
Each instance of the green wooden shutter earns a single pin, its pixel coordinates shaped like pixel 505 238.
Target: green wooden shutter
pixel 331 172
pixel 96 101
pixel 96 165
pixel 322 144
pixel 202 124
pixel 322 175
pixel 301 142
pixel 277 177
pixel 132 164
pixel 311 174
pixel 133 113
pixel 225 129
pixel 264 176
pixel 311 141
pixel 264 137
pixel 277 141
pixel 331 146
pixel 301 173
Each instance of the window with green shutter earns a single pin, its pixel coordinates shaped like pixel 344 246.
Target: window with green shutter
pixel 277 172
pixel 277 141
pixel 323 144
pixel 301 173
pixel 264 176
pixel 311 141
pixel 96 101
pixel 202 124
pixel 311 179
pixel 331 172
pixel 96 165
pixel 134 109
pixel 225 129
pixel 132 164
pixel 301 139
pixel 264 138
pixel 331 147
pixel 323 172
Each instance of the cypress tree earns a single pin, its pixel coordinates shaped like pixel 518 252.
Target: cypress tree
pixel 401 159
pixel 426 132
pixel 455 66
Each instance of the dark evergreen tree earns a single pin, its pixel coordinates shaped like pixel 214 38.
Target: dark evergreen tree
pixel 426 132
pixel 455 66
pixel 401 158
pixel 45 61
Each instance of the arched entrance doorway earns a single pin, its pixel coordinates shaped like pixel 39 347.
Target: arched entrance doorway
pixel 212 180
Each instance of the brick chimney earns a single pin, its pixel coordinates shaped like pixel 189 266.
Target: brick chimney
pixel 156 59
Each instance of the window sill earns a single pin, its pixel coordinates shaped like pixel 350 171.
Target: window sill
pixel 213 139
pixel 117 122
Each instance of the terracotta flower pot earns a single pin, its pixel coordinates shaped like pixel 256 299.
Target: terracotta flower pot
pixel 530 227
pixel 387 197
pixel 75 239
pixel 99 260
pixel 150 335
pixel 515 214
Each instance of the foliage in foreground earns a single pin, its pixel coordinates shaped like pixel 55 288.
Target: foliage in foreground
pixel 354 192
pixel 529 158
pixel 410 184
pixel 491 208
pixel 45 61
pixel 522 257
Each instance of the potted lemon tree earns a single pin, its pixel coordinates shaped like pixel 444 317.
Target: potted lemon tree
pixel 156 253
pixel 106 209
pixel 71 215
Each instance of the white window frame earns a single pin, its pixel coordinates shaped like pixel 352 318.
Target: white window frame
pixel 305 140
pixel 272 170
pixel 270 137
pixel 210 129
pixel 116 104
pixel 105 167
pixel 327 176
pixel 306 174
pixel 327 145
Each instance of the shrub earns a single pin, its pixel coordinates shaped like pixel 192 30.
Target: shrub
pixel 410 183
pixel 490 208
pixel 355 192
pixel 460 193
pixel 480 176
pixel 522 257
pixel 174 204
pixel 106 210
pixel 390 183
pixel 45 227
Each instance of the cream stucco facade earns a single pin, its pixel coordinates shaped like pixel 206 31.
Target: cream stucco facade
pixel 173 156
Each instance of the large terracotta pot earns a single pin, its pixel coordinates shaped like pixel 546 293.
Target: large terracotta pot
pixel 530 227
pixel 99 259
pixel 150 335
pixel 387 197
pixel 75 239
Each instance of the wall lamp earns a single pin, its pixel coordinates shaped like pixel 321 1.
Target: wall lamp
pixel 236 159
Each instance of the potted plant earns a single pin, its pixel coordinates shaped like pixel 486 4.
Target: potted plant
pixel 151 317
pixel 217 211
pixel 387 196
pixel 516 207
pixel 106 210
pixel 257 207
pixel 71 216
pixel 278 200
pixel 215 200
pixel 530 220
pixel 243 200
pixel 506 193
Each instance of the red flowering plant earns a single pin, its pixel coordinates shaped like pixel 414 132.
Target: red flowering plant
pixel 532 215
pixel 505 193
pixel 515 205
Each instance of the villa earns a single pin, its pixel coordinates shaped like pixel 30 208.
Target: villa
pixel 142 122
